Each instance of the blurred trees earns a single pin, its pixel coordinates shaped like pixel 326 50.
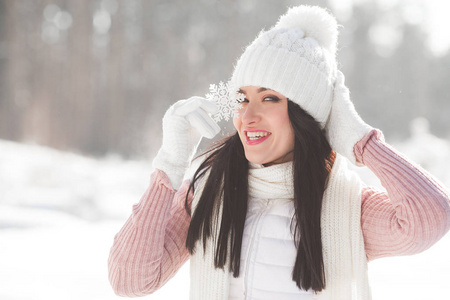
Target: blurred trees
pixel 97 76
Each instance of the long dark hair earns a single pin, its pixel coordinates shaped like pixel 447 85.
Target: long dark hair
pixel 227 185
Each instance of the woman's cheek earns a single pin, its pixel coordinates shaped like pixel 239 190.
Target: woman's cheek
pixel 236 123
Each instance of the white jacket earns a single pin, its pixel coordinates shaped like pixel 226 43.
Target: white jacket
pixel 268 254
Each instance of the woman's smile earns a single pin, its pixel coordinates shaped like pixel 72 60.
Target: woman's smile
pixel 256 136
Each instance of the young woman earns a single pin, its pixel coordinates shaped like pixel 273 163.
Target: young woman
pixel 273 212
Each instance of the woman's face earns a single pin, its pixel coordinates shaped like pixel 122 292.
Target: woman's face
pixel 264 127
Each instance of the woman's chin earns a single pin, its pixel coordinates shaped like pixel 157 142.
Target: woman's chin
pixel 256 160
pixel 268 162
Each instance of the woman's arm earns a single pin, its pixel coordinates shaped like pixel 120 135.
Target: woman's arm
pixel 150 247
pixel 413 214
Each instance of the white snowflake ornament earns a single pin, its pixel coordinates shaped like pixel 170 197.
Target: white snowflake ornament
pixel 227 99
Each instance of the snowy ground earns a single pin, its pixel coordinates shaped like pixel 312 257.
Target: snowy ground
pixel 59 213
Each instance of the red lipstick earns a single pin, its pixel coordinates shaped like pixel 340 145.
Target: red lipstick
pixel 257 141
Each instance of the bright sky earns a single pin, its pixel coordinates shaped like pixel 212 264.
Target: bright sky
pixel 432 14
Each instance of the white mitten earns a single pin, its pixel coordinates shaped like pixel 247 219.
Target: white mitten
pixel 184 124
pixel 344 127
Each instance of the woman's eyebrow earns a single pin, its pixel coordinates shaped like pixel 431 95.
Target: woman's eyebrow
pixel 262 89
pixel 259 90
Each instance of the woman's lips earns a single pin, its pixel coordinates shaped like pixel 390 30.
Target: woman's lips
pixel 256 141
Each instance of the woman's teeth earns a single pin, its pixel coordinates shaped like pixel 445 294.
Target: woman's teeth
pixel 256 135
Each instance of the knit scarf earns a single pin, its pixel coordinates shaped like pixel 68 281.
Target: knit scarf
pixel 274 182
pixel 342 241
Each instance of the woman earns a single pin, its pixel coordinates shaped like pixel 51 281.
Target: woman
pixel 273 212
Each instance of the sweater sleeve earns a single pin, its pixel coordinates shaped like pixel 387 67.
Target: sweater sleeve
pixel 150 247
pixel 412 215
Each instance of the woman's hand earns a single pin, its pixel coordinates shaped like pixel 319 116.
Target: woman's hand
pixel 184 124
pixel 344 127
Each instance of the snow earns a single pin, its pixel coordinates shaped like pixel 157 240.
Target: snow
pixel 59 212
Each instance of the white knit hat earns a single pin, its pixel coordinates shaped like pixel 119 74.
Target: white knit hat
pixel 297 58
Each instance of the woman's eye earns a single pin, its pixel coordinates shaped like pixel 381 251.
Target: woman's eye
pixel 272 98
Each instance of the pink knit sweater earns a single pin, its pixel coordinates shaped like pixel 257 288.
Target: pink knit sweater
pixel 412 216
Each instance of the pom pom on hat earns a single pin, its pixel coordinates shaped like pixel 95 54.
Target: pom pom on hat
pixel 315 22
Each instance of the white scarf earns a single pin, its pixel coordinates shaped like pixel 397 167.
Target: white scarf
pixel 343 246
pixel 274 182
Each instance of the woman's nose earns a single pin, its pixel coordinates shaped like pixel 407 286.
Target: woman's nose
pixel 250 114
